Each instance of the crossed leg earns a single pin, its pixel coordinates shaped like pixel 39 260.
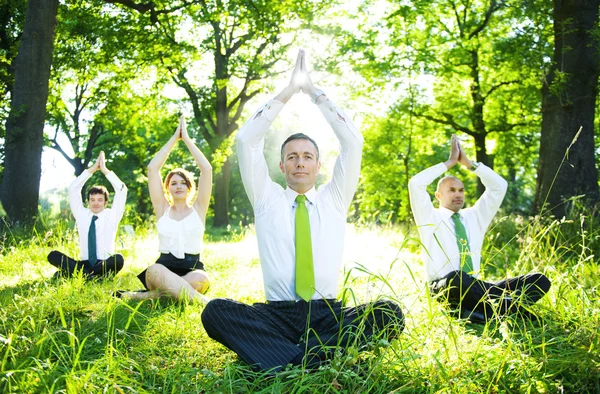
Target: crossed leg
pixel 161 281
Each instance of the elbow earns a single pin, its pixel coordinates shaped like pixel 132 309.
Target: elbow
pixel 360 143
pixel 503 186
pixel 152 166
pixel 241 137
pixel 412 183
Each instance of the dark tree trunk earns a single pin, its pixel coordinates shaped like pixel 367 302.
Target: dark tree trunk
pixel 19 191
pixel 568 103
pixel 221 207
pixel 481 156
pixel 479 127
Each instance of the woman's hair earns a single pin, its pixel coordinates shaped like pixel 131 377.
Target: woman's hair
pixel 189 181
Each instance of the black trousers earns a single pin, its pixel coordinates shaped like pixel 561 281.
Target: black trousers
pixel 466 293
pixel 102 268
pixel 273 334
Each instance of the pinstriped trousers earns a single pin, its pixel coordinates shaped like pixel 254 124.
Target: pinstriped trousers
pixel 273 334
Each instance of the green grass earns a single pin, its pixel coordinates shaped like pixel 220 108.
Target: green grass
pixel 69 336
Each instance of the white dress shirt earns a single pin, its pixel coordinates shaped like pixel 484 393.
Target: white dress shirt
pixel 436 228
pixel 274 207
pixel 108 220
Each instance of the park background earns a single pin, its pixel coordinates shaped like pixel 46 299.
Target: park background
pixel 515 80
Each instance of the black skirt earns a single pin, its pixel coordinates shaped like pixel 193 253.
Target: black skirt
pixel 190 263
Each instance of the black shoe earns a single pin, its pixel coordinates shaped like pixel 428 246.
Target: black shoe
pixel 119 293
pixel 524 314
pixel 473 316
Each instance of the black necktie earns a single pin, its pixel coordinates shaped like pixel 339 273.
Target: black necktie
pixel 92 242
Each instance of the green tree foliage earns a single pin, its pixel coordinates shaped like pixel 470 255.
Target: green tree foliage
pixel 218 52
pixel 393 152
pixel 103 99
pixel 479 64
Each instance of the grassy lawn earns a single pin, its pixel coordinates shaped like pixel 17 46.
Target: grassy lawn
pixel 74 337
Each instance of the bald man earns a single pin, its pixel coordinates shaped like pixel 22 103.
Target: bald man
pixel 452 238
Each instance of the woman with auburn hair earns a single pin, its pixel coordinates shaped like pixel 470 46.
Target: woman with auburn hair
pixel 181 213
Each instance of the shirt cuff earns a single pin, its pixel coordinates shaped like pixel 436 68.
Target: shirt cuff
pixel 441 168
pixel 271 109
pixel 84 176
pixel 479 169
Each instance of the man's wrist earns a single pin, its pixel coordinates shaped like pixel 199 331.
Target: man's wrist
pixel 315 94
pixel 450 163
pixel 473 165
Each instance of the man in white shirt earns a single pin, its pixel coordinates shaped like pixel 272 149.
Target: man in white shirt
pixel 452 238
pixel 97 226
pixel 301 323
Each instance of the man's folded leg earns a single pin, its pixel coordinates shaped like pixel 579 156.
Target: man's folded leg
pixel 466 294
pixel 110 266
pixel 65 264
pixel 260 341
pixel 528 289
pixel 355 327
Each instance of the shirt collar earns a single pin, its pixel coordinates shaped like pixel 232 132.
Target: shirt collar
pixel 291 194
pixel 99 214
pixel 447 213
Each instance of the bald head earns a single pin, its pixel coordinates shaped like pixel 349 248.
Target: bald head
pixel 451 193
pixel 444 180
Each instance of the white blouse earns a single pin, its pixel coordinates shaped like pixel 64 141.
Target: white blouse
pixel 179 237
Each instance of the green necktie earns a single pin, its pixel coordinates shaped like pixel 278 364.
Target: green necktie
pixel 305 275
pixel 466 264
pixel 92 242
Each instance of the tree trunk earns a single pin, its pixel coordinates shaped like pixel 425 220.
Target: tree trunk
pixel 19 191
pixel 221 207
pixel 481 156
pixel 568 103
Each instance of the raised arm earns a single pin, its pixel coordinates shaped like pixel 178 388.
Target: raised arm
pixel 495 188
pixel 118 205
pixel 420 200
pixel 346 172
pixel 155 186
pixel 75 200
pixel 251 140
pixel 205 181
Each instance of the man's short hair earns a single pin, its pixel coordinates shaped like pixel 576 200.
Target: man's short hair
pixel 298 136
pixel 98 189
pixel 444 179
